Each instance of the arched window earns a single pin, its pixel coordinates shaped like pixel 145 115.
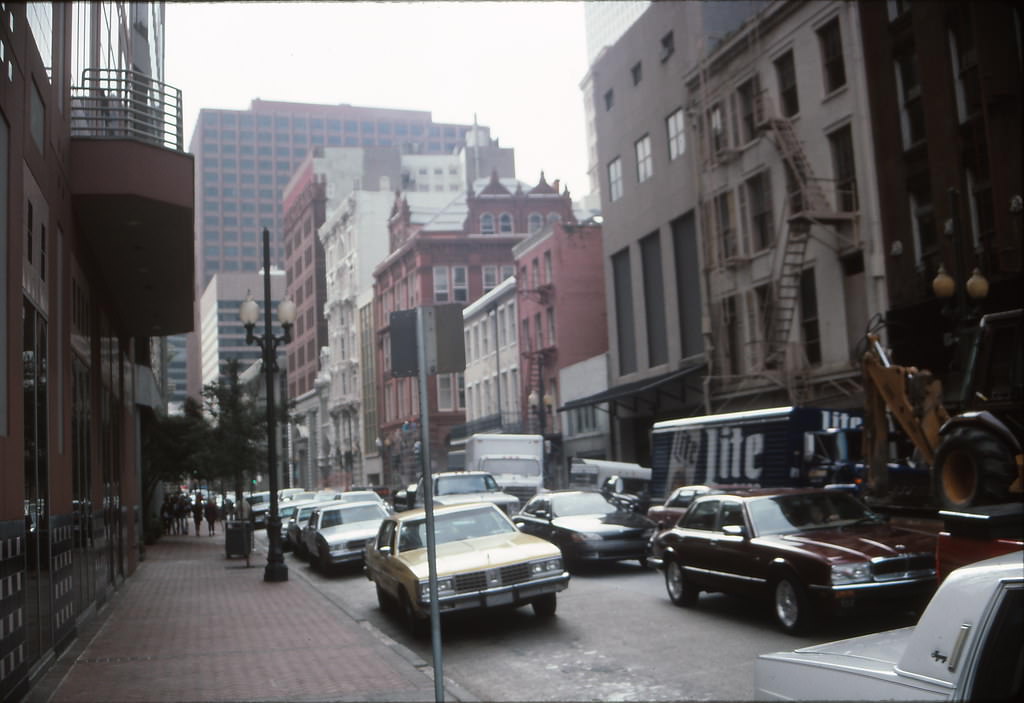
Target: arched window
pixel 554 217
pixel 536 221
pixel 505 222
pixel 487 223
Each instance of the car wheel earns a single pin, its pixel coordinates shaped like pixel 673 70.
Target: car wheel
pixel 681 590
pixel 325 559
pixel 545 606
pixel 792 610
pixel 417 626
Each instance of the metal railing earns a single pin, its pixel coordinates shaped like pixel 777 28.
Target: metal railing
pixel 117 104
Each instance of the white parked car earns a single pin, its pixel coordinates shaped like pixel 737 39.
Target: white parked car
pixel 967 646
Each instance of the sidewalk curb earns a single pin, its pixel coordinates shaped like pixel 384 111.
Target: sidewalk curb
pixel 453 690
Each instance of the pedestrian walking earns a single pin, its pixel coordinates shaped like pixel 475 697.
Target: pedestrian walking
pixel 197 512
pixel 181 509
pixel 211 516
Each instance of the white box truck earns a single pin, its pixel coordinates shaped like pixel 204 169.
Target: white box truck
pixel 515 460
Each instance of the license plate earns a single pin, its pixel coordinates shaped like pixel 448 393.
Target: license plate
pixel 499 599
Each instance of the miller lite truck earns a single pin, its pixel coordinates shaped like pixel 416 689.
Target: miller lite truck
pixel 787 446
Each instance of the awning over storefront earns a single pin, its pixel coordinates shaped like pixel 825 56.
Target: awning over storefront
pixel 633 388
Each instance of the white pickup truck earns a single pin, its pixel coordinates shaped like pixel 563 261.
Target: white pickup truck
pixel 967 646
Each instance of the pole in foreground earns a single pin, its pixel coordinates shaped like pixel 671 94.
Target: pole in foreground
pixel 276 569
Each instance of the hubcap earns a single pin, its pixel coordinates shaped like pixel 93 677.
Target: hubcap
pixel 675 580
pixel 785 603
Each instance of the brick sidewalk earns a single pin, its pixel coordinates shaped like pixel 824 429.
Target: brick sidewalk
pixel 192 625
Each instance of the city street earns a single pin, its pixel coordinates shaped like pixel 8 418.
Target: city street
pixel 616 637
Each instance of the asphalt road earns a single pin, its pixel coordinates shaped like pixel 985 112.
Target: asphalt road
pixel 616 637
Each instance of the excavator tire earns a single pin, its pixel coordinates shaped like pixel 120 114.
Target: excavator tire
pixel 973 467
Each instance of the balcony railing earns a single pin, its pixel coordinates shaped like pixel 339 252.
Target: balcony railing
pixel 115 104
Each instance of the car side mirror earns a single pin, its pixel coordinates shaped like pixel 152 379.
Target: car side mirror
pixel 385 549
pixel 543 514
pixel 734 530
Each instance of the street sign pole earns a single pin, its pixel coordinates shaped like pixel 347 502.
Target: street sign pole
pixel 428 499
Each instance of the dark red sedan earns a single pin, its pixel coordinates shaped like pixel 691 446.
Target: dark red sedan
pixel 808 551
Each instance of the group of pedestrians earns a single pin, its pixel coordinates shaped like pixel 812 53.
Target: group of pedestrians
pixel 177 509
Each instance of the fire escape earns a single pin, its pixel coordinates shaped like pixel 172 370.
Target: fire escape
pixel 536 357
pixel 807 205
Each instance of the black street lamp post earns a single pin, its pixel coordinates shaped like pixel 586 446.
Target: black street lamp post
pixel 249 311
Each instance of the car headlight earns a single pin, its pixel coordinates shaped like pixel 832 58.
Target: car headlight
pixel 856 572
pixel 586 537
pixel 539 568
pixel 444 587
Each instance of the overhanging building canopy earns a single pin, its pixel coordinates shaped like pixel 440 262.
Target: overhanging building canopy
pixel 633 388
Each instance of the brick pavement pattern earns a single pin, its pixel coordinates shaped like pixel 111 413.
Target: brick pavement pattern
pixel 193 625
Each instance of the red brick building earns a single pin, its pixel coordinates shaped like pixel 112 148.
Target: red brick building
pixel 562 320
pixel 446 252
pixel 304 211
pixel 945 96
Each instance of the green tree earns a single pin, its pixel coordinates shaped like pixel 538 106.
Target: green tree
pixel 237 445
pixel 171 450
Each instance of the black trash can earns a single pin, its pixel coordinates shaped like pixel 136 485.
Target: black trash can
pixel 237 538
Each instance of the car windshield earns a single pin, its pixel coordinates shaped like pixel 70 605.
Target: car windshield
pixel 581 504
pixel 304 513
pixel 287 512
pixel 452 527
pixel 469 483
pixel 806 511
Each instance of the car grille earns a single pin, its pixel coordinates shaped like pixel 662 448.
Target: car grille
pixel 903 566
pixel 356 544
pixel 479 580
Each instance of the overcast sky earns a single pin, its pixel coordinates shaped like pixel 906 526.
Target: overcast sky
pixel 516 65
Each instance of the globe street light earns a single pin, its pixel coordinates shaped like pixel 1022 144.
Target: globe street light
pixel 249 313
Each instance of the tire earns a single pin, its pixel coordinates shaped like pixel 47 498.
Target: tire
pixel 973 467
pixel 384 600
pixel 681 590
pixel 790 606
pixel 545 606
pixel 416 625
pixel 324 561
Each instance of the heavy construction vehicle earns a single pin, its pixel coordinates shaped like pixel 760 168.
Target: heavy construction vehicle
pixel 974 453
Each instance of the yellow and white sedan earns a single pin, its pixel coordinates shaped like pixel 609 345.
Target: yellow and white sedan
pixel 483 561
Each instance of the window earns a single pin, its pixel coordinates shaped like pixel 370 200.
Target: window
pixel 37 118
pixel 487 223
pixel 965 65
pixel 536 222
pixel 637 72
pixel 922 221
pixel 911 109
pixel 644 166
pixel 809 317
pixel 534 274
pixel 609 100
pixel 507 270
pixel 982 216
pixel 725 228
pixel 831 42
pixel 445 392
pixel 440 284
pixel 676 134
pixel 716 122
pixel 747 94
pixel 785 70
pixel 615 179
pixel 654 300
pixel 702 516
pixel 730 337
pixel 759 199
pixel 490 276
pixel 505 222
pixel 841 144
pixel 668 46
pixel 460 284
pixel 622 281
pixel 794 190
pixel 897 8
pixel 547 267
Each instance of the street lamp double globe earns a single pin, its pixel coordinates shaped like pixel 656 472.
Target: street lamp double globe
pixel 249 313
